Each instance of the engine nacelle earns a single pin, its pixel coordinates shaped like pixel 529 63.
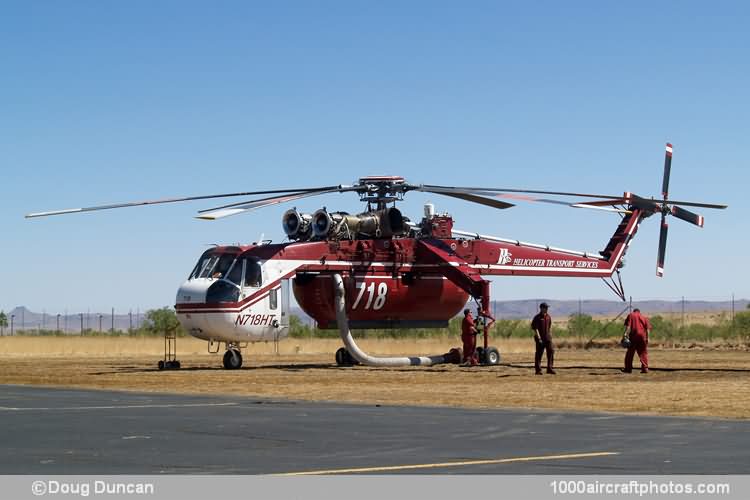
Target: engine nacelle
pixel 297 226
pixel 323 222
pixel 340 225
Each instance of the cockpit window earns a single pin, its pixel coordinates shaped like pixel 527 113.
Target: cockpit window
pixel 199 266
pixel 253 273
pixel 235 274
pixel 222 266
pixel 213 266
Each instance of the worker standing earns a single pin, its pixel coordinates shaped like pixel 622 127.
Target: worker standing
pixel 469 338
pixel 637 328
pixel 542 326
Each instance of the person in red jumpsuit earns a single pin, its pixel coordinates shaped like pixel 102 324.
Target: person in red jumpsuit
pixel 637 328
pixel 542 326
pixel 469 338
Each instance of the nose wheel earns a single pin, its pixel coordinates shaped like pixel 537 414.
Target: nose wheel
pixel 232 359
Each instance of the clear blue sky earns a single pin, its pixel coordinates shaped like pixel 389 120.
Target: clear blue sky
pixel 118 101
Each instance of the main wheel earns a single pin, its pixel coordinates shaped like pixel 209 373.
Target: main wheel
pixel 491 356
pixel 232 359
pixel 350 360
pixel 342 357
pixel 481 355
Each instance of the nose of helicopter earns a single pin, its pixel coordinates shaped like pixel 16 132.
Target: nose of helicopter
pixel 193 291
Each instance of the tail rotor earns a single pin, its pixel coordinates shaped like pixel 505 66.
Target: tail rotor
pixel 664 226
pixel 669 207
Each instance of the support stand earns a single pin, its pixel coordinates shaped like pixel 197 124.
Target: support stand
pixel 170 352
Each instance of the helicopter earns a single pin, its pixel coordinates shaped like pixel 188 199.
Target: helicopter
pixel 379 269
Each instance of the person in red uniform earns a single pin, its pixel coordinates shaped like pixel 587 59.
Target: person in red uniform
pixel 469 338
pixel 637 328
pixel 542 326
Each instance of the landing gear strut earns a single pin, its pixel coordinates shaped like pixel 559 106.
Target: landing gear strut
pixel 232 358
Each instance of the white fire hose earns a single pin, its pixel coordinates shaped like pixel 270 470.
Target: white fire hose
pixel 355 351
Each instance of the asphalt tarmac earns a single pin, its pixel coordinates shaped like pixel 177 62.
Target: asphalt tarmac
pixel 67 431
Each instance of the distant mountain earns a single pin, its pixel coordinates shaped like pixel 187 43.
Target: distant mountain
pixel 24 319
pixel 517 309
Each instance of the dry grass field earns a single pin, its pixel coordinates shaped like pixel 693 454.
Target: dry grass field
pixel 706 380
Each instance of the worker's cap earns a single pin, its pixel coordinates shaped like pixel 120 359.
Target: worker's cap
pixel 466 311
pixel 544 305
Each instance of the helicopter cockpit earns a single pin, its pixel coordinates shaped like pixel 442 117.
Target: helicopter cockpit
pixel 223 274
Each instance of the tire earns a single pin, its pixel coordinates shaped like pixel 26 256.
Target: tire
pixel 160 365
pixel 481 355
pixel 343 357
pixel 492 356
pixel 350 360
pixel 232 359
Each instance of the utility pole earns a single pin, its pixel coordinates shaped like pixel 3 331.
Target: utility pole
pixel 682 317
pixel 113 320
pixel 130 320
pixel 57 330
pixel 81 315
pixel 100 322
pixel 732 313
pixel 66 320
pixel 12 317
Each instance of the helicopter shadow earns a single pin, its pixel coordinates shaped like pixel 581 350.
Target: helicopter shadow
pixel 209 369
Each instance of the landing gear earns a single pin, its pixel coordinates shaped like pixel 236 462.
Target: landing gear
pixel 232 358
pixel 344 358
pixel 489 356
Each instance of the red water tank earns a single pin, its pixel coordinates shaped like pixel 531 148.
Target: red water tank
pixel 382 300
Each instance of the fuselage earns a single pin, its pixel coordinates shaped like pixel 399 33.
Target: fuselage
pixel 241 294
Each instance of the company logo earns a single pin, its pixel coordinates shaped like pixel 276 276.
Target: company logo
pixel 505 256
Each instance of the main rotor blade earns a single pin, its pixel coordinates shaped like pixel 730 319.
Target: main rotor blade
pixel 485 198
pixel 688 216
pixel 667 169
pixel 527 191
pixel 468 196
pixel 602 205
pixel 641 202
pixel 246 206
pixel 167 200
pixel 696 204
pixel 662 247
pixel 606 199
pixel 478 199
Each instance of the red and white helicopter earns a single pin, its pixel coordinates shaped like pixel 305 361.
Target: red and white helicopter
pixel 378 269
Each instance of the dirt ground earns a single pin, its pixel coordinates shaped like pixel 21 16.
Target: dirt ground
pixel 699 381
